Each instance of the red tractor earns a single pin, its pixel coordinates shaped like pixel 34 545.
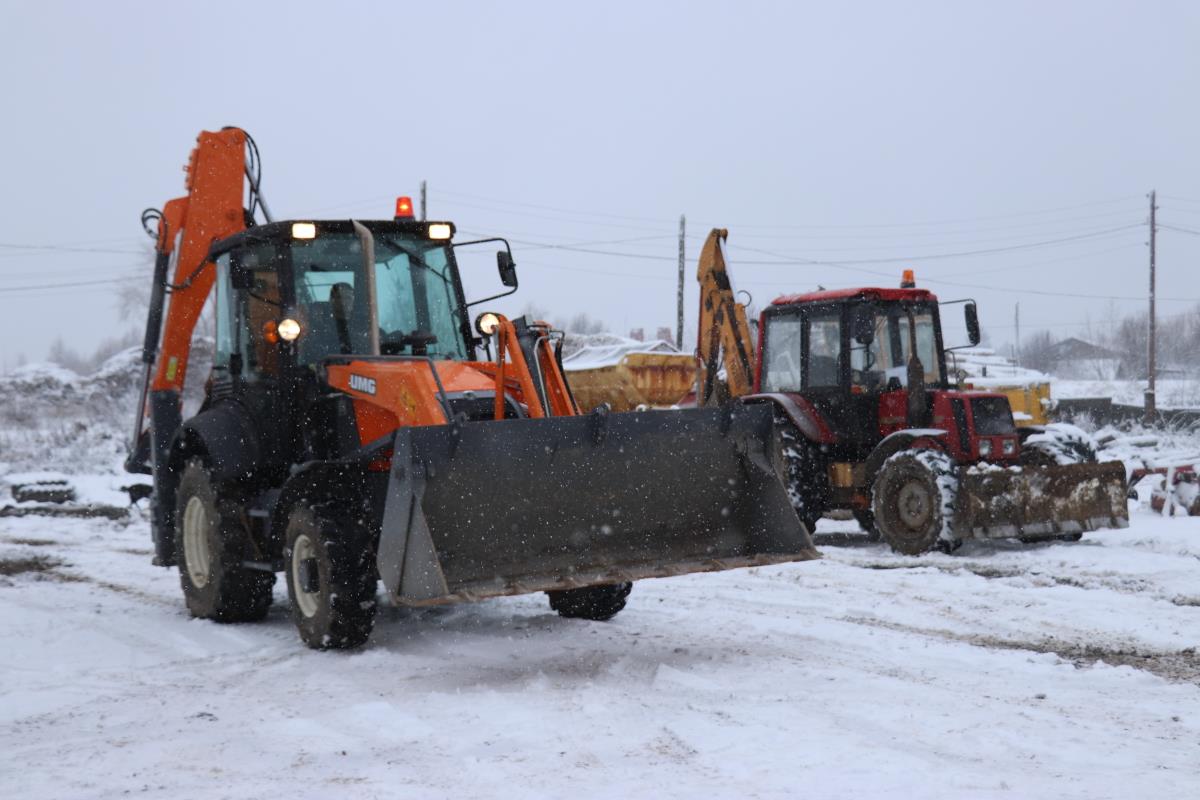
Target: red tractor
pixel 876 426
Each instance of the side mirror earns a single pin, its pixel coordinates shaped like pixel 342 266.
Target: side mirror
pixel 972 323
pixel 508 270
pixel 862 325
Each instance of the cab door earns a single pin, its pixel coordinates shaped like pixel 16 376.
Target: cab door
pixel 249 365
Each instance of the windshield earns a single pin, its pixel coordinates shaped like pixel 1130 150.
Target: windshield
pixel 875 365
pixel 415 294
pixel 887 356
pixel 805 350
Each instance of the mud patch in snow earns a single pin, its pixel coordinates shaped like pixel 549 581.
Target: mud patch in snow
pixel 1182 666
pixel 17 565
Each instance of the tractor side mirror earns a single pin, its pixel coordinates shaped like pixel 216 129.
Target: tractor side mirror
pixel 972 323
pixel 508 270
pixel 862 325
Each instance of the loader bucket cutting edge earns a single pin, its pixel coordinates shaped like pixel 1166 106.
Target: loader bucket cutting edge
pixel 1037 502
pixel 507 507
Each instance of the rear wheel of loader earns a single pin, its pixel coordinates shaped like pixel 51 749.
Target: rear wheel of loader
pixel 911 499
pixel 210 546
pixel 331 578
pixel 593 602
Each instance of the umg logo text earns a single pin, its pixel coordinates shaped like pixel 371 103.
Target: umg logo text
pixel 361 384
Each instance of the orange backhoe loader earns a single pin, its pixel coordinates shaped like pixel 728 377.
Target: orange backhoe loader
pixel 352 433
pixel 858 380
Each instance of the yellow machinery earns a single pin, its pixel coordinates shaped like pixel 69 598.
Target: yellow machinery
pixel 638 379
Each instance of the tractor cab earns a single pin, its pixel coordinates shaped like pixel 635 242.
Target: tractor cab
pixel 849 355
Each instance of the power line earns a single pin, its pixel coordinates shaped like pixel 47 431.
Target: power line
pixel 936 233
pixel 928 223
pixel 41 249
pixel 936 256
pixel 1179 229
pixel 72 285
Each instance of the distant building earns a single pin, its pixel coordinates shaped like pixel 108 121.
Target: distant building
pixel 1075 359
pixel 665 335
pixel 638 334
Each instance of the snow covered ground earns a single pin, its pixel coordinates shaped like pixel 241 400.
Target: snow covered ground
pixel 1005 670
pixel 1169 393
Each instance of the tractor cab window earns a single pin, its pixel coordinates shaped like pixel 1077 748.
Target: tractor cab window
pixel 802 351
pixel 247 312
pixel 418 312
pixel 927 350
pixel 781 356
pixel 824 349
pixel 869 363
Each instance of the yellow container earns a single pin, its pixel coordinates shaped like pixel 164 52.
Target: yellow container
pixel 650 379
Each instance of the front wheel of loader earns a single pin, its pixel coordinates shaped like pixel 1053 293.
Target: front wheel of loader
pixel 593 602
pixel 913 499
pixel 211 541
pixel 331 578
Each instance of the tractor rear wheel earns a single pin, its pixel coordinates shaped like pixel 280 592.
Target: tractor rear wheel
pixel 807 482
pixel 331 578
pixel 913 499
pixel 211 544
pixel 593 602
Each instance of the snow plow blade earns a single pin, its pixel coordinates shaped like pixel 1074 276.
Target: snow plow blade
pixel 1040 502
pixel 482 509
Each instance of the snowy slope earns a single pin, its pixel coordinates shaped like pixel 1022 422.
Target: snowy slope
pixel 1063 670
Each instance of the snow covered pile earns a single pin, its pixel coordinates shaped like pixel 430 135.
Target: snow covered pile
pixel 54 419
pixel 985 367
pixel 607 350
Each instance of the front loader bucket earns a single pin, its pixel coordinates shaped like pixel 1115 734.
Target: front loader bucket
pixel 514 506
pixel 1040 502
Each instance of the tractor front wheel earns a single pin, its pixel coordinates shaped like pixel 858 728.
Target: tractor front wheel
pixel 913 499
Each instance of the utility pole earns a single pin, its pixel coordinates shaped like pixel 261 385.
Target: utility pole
pixel 422 201
pixel 1017 346
pixel 679 294
pixel 1150 409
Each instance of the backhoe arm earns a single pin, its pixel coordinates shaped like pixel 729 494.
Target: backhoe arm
pixel 724 333
pixel 212 210
pixel 188 226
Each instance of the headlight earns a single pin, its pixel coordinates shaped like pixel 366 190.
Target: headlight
pixel 985 447
pixel 1010 447
pixel 288 330
pixel 487 323
pixel 439 230
pixel 304 230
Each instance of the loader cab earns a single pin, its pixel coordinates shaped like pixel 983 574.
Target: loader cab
pixel 846 352
pixel 291 294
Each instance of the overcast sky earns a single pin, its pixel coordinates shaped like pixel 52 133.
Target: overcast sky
pixel 888 135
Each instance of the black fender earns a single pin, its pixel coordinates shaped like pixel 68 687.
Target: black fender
pixel 895 442
pixel 224 435
pixel 350 484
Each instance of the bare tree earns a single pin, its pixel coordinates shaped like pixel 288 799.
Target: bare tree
pixel 1037 351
